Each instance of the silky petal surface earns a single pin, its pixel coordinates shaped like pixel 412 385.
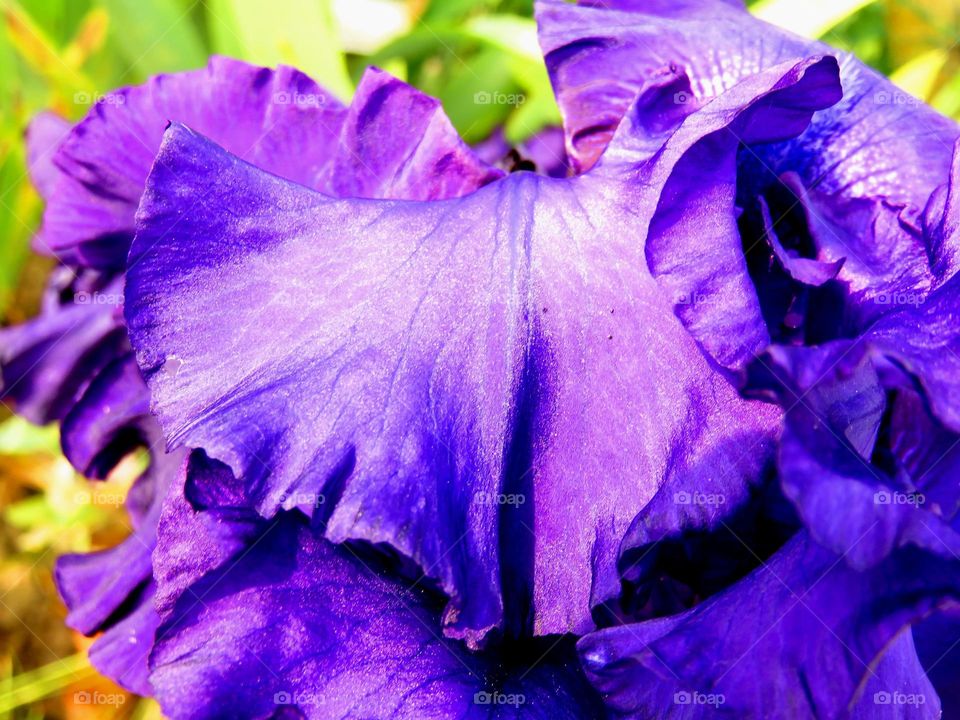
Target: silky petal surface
pixel 44 135
pixel 876 166
pixel 809 271
pixel 800 637
pixel 941 223
pixel 923 339
pixel 193 543
pixel 94 586
pixel 600 58
pixel 709 281
pixel 122 651
pixel 464 352
pixel 924 450
pixel 46 363
pixel 280 121
pixel 109 420
pixel 279 619
pixel 396 142
pixel 704 531
pixel 938 646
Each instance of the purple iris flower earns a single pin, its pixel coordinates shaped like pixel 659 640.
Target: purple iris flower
pixel 666 430
pixel 73 363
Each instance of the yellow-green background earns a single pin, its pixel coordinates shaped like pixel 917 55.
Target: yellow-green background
pixel 58 54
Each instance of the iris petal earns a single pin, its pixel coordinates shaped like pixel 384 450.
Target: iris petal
pixel 287 620
pixel 827 626
pixel 867 167
pixel 44 135
pixel 923 340
pixel 446 374
pixel 122 651
pixel 73 363
pixel 95 586
pixel 279 119
pixel 109 420
pixel 47 363
pixel 421 158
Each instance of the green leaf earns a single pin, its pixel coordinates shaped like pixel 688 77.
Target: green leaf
pixel 509 63
pixel 919 76
pixel 447 11
pixel 17 436
pixel 947 100
pixel 479 95
pixel 511 34
pixel 45 681
pixel 18 214
pixel 301 33
pixel 39 52
pixel 539 111
pixel 156 36
pixel 59 18
pixel 517 38
pixel 396 67
pixel 9 74
pixel 812 18
pixel 422 41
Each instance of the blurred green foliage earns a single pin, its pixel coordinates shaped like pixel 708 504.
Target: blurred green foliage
pixel 61 54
